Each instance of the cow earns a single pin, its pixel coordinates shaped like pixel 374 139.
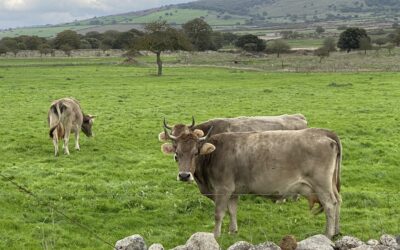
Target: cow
pixel 272 164
pixel 240 124
pixel 65 115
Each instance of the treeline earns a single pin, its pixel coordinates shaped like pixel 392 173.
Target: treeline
pixel 197 31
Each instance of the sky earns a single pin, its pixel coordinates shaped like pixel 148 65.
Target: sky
pixel 20 13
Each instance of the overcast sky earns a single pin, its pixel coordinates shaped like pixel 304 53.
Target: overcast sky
pixel 17 13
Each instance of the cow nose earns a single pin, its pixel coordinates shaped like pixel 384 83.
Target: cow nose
pixel 184 176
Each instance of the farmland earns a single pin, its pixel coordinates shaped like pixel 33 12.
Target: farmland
pixel 121 184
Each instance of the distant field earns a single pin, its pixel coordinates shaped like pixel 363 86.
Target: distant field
pixel 305 43
pixel 40 31
pixel 121 184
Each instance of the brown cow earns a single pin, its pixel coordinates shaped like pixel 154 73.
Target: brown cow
pixel 240 124
pixel 271 164
pixel 65 115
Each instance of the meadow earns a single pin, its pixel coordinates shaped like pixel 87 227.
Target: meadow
pixel 121 184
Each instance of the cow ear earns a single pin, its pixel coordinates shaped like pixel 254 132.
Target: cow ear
pixel 167 148
pixel 198 132
pixel 207 148
pixel 162 137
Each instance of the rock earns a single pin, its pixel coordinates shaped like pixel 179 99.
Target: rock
pixel 348 242
pixel 265 246
pixel 200 241
pixel 156 246
pixel 316 242
pixel 378 247
pixel 133 242
pixel 388 240
pixel 373 242
pixel 288 242
pixel 241 245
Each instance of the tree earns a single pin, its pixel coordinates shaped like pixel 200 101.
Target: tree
pixel 319 30
pixel 11 44
pixel 380 41
pixel 3 49
pixel 199 33
pixel 45 49
pixel 250 43
pixel 278 46
pixel 321 52
pixel 365 44
pixel 329 44
pixel 67 38
pixel 160 36
pixel 66 48
pixel 395 37
pixel 350 38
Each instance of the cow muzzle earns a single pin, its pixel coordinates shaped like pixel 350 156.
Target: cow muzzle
pixel 185 176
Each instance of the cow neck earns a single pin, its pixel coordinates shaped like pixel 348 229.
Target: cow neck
pixel 201 173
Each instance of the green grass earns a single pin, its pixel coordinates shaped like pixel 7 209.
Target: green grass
pixel 121 184
pixel 40 31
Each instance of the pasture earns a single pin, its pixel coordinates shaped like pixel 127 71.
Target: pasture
pixel 121 184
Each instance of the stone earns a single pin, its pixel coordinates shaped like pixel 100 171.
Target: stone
pixel 373 242
pixel 388 240
pixel 133 242
pixel 265 246
pixel 200 241
pixel 348 242
pixel 156 246
pixel 240 245
pixel 316 242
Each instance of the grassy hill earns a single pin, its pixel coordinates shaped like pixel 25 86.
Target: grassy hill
pixel 239 15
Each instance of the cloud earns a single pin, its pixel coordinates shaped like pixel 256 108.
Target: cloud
pixel 14 13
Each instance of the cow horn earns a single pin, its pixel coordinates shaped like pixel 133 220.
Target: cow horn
pixel 168 135
pixel 193 122
pixel 206 136
pixel 166 126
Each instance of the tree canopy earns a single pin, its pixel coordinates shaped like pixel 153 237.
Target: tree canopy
pixel 350 38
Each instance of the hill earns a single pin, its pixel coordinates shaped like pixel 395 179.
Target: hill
pixel 239 15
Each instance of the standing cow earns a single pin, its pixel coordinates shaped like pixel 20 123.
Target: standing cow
pixel 65 115
pixel 240 124
pixel 273 164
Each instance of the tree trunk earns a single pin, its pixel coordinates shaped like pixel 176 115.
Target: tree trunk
pixel 159 63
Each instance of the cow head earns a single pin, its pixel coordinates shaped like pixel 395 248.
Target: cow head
pixel 178 130
pixel 187 148
pixel 87 125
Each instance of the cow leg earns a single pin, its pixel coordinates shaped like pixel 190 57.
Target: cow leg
pixel 55 143
pixel 66 141
pixel 77 139
pixel 329 203
pixel 232 208
pixel 221 204
pixel 337 211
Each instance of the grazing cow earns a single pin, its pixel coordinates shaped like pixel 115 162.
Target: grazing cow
pixel 240 124
pixel 273 164
pixel 65 115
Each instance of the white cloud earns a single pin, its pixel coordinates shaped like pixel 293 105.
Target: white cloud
pixel 15 13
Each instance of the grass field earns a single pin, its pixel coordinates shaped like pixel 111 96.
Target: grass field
pixel 121 184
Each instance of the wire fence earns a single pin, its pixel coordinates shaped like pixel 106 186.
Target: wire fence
pixel 379 212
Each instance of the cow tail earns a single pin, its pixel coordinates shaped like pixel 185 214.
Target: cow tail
pixel 338 162
pixel 314 199
pixel 58 125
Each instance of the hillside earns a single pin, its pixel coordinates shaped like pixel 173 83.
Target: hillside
pixel 239 15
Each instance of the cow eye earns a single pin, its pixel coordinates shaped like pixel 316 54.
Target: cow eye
pixel 176 158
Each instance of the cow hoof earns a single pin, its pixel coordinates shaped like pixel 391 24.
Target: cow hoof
pixel 232 232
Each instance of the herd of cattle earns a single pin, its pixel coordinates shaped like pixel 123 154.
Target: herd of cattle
pixel 276 157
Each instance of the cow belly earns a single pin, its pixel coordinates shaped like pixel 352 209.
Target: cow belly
pixel 281 189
